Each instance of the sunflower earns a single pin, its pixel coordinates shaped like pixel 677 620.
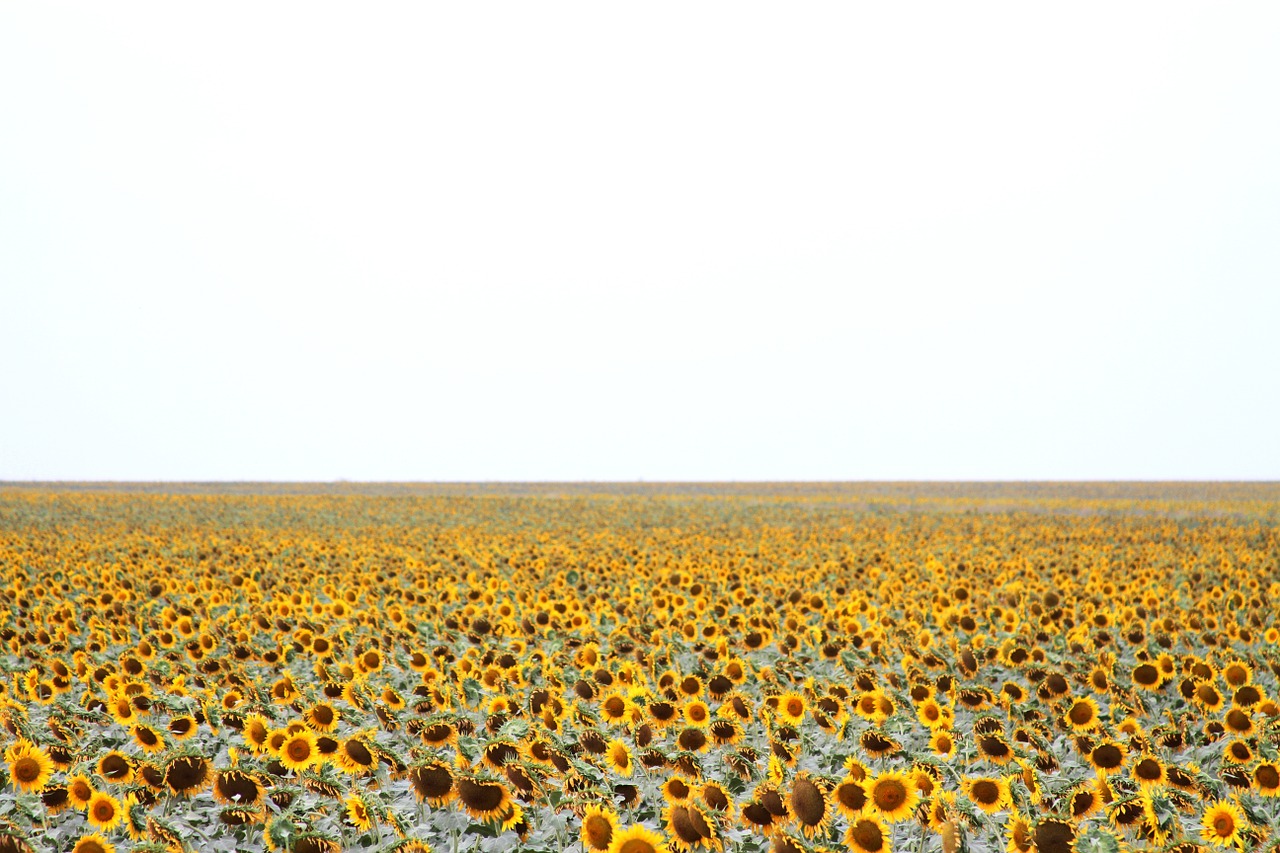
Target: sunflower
pixel 990 795
pixel 866 836
pixel 1084 799
pixel 716 797
pixel 256 732
pixel 1146 676
pixel 618 755
pixel 1221 824
pixel 116 768
pixel 1018 829
pixel 30 767
pixel 187 775
pixel 891 796
pixel 791 708
pixel 1208 697
pixel 942 743
pixel 1236 673
pixel 1052 835
pixel 1237 752
pixel 432 782
pixel 1266 779
pixel 237 788
pixel 676 789
pixel 485 800
pixel 104 811
pixel 598 827
pixel 147 738
pixel 1107 756
pixel 615 708
pixel 931 714
pixel 93 843
pixel 298 751
pixel 688 826
pixel 79 790
pixel 849 797
pixel 1082 716
pixel 1149 772
pixel 323 717
pixel 808 803
pixel 878 745
pixel 637 839
pixel 182 727
pixel 357 813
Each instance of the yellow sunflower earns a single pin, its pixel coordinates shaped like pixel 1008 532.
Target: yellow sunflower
pixel 298 751
pixel 598 827
pixel 104 811
pixel 891 796
pixel 637 839
pixel 1221 824
pixel 93 843
pixel 30 767
pixel 989 794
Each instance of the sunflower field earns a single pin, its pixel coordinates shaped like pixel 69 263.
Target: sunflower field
pixel 612 669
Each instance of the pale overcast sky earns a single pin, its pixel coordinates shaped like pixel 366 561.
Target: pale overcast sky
pixel 616 241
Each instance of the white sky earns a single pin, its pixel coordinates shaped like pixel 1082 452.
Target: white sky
pixel 620 241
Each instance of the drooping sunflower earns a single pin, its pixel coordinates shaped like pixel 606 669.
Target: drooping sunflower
pixel 808 803
pixel 104 811
pixel 237 788
pixel 1083 800
pixel 187 775
pixel 688 826
pixel 183 727
pixel 432 782
pixel 484 799
pixel 55 798
pixel 693 739
pixel 598 827
pixel 1053 835
pixel 1147 677
pixel 637 839
pixel 1221 824
pixel 1107 756
pixel 676 789
pixel 116 768
pixel 1149 771
pixel 891 796
pixel 147 738
pixel 877 744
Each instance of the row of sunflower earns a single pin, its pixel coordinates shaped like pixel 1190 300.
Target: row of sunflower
pixel 633 675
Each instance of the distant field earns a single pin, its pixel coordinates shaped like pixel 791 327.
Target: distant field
pixel 636 667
